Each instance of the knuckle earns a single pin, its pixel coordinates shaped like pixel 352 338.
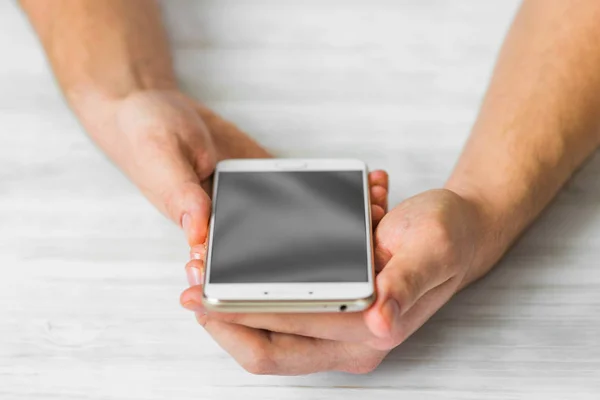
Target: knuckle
pixel 259 362
pixel 437 229
pixel 259 367
pixel 441 238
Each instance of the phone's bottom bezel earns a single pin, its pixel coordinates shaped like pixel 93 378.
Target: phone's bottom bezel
pixel 288 306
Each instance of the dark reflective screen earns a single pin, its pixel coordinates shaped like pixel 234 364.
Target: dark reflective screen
pixel 288 227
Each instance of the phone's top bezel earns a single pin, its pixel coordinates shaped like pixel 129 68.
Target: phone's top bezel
pixel 289 164
pixel 291 291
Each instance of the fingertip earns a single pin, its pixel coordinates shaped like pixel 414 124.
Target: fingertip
pixel 191 298
pixel 189 206
pixel 383 318
pixel 195 224
pixel 196 231
pixel 377 323
pixel 380 178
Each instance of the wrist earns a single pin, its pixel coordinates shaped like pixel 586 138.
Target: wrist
pixel 489 231
pixel 84 95
pixel 96 106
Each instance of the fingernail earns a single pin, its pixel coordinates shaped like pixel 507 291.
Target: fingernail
pixel 391 313
pixel 194 276
pixel 197 252
pixel 186 223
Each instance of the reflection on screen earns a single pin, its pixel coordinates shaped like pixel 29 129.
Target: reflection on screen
pixel 289 227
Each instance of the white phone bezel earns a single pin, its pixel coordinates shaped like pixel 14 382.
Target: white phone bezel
pixel 219 292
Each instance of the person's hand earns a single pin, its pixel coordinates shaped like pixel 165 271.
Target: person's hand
pixel 168 145
pixel 424 250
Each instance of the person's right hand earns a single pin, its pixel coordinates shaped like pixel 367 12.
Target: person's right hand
pixel 168 145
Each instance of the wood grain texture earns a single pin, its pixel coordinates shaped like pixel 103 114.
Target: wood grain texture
pixel 90 273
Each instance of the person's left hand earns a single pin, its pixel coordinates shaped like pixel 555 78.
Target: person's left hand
pixel 424 249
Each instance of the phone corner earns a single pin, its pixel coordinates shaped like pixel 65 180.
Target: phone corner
pixel 359 163
pixel 366 301
pixel 210 303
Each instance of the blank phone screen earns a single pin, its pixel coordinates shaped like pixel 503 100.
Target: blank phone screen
pixel 289 227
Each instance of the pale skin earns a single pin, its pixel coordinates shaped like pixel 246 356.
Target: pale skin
pixel 539 121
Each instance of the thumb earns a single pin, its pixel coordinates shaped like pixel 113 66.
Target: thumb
pixel 189 205
pixel 173 185
pixel 403 281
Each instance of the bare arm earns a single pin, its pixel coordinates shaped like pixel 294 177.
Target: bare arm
pixel 112 61
pixel 109 47
pixel 540 119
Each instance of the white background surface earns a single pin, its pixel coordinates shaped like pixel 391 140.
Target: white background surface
pixel 90 273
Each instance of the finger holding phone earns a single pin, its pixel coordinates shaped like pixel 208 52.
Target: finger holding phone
pixel 290 236
pixel 423 250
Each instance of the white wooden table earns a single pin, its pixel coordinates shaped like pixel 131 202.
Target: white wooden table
pixel 90 273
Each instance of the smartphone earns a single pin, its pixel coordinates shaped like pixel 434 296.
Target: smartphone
pixel 290 235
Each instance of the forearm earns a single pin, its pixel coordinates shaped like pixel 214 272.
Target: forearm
pixel 539 121
pixel 103 49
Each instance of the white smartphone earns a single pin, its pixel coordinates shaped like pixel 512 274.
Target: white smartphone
pixel 290 235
